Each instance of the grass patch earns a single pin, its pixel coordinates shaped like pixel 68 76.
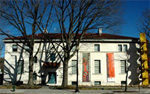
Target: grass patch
pixel 8 86
pixel 87 87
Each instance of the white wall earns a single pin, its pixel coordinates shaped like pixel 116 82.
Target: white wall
pixel 84 48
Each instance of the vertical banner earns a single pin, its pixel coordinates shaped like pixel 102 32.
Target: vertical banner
pixel 110 67
pixel 86 67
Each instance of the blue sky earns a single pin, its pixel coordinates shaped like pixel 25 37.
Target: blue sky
pixel 132 12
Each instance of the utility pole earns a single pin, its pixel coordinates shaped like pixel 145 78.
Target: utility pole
pixel 77 84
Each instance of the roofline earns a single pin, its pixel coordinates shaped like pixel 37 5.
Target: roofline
pixel 83 40
pixel 126 37
pixel 89 37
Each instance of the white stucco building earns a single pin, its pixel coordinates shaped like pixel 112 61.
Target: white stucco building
pixel 103 60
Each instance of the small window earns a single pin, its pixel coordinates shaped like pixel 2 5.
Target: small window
pixel 74 63
pixel 97 66
pixel 123 82
pixel 20 67
pixel 35 59
pixel 74 83
pixel 52 57
pixel 120 48
pixel 73 48
pixel 96 47
pixel 123 66
pixel 97 82
pixel 14 48
pixel 34 76
pixel 125 48
pixel 26 48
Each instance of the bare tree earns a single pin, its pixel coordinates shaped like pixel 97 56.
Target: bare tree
pixel 1 46
pixel 76 17
pixel 144 22
pixel 25 17
pixel 1 35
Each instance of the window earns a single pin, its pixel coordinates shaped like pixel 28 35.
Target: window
pixel 125 48
pixel 20 67
pixel 97 66
pixel 14 48
pixel 74 62
pixel 34 76
pixel 123 82
pixel 97 82
pixel 73 48
pixel 96 47
pixel 74 83
pixel 26 48
pixel 35 59
pixel 123 66
pixel 120 48
pixel 52 57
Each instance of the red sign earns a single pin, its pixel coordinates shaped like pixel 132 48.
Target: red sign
pixel 110 67
pixel 86 67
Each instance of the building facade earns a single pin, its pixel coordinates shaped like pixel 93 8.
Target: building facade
pixel 102 59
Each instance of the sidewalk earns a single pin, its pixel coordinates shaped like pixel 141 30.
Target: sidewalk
pixel 56 91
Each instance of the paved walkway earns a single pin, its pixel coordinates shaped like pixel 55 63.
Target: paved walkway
pixel 55 91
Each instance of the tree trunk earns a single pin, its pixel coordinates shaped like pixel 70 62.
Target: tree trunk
pixel 126 86
pixel 65 74
pixel 30 81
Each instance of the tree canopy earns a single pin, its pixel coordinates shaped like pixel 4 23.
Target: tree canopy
pixel 74 18
pixel 144 22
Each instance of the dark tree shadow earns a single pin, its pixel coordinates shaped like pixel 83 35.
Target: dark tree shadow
pixel 133 64
pixel 44 71
pixel 1 70
pixel 47 65
pixel 11 71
